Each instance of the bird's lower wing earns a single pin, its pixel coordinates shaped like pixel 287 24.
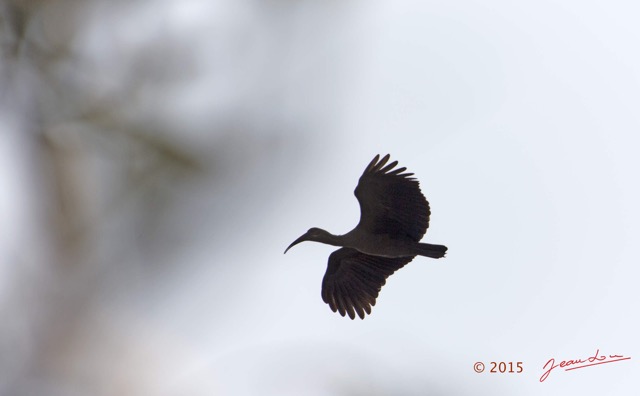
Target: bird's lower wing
pixel 353 280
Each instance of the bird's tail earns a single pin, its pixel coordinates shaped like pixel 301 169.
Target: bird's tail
pixel 433 251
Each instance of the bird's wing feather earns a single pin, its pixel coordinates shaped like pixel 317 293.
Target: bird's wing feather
pixel 354 279
pixel 391 201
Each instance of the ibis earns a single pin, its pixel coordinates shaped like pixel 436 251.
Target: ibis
pixel 394 216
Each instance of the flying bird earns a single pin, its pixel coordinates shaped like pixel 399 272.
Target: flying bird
pixel 394 216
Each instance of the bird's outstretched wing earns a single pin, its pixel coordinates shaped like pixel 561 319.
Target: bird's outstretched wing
pixel 391 201
pixel 353 280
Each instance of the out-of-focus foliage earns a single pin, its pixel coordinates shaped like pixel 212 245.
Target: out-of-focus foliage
pixel 101 174
pixel 86 91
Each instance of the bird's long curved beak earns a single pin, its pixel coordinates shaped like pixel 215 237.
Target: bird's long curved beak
pixel 297 241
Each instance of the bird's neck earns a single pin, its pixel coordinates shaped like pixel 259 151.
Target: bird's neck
pixel 334 240
pixel 351 239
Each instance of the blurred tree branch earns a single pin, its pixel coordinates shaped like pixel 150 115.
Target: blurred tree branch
pixel 55 101
pixel 94 154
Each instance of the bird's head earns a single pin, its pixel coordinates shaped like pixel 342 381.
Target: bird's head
pixel 314 234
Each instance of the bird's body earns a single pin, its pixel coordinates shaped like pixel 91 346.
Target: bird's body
pixel 382 245
pixel 394 215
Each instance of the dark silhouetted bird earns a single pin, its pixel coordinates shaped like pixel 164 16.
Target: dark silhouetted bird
pixel 394 215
